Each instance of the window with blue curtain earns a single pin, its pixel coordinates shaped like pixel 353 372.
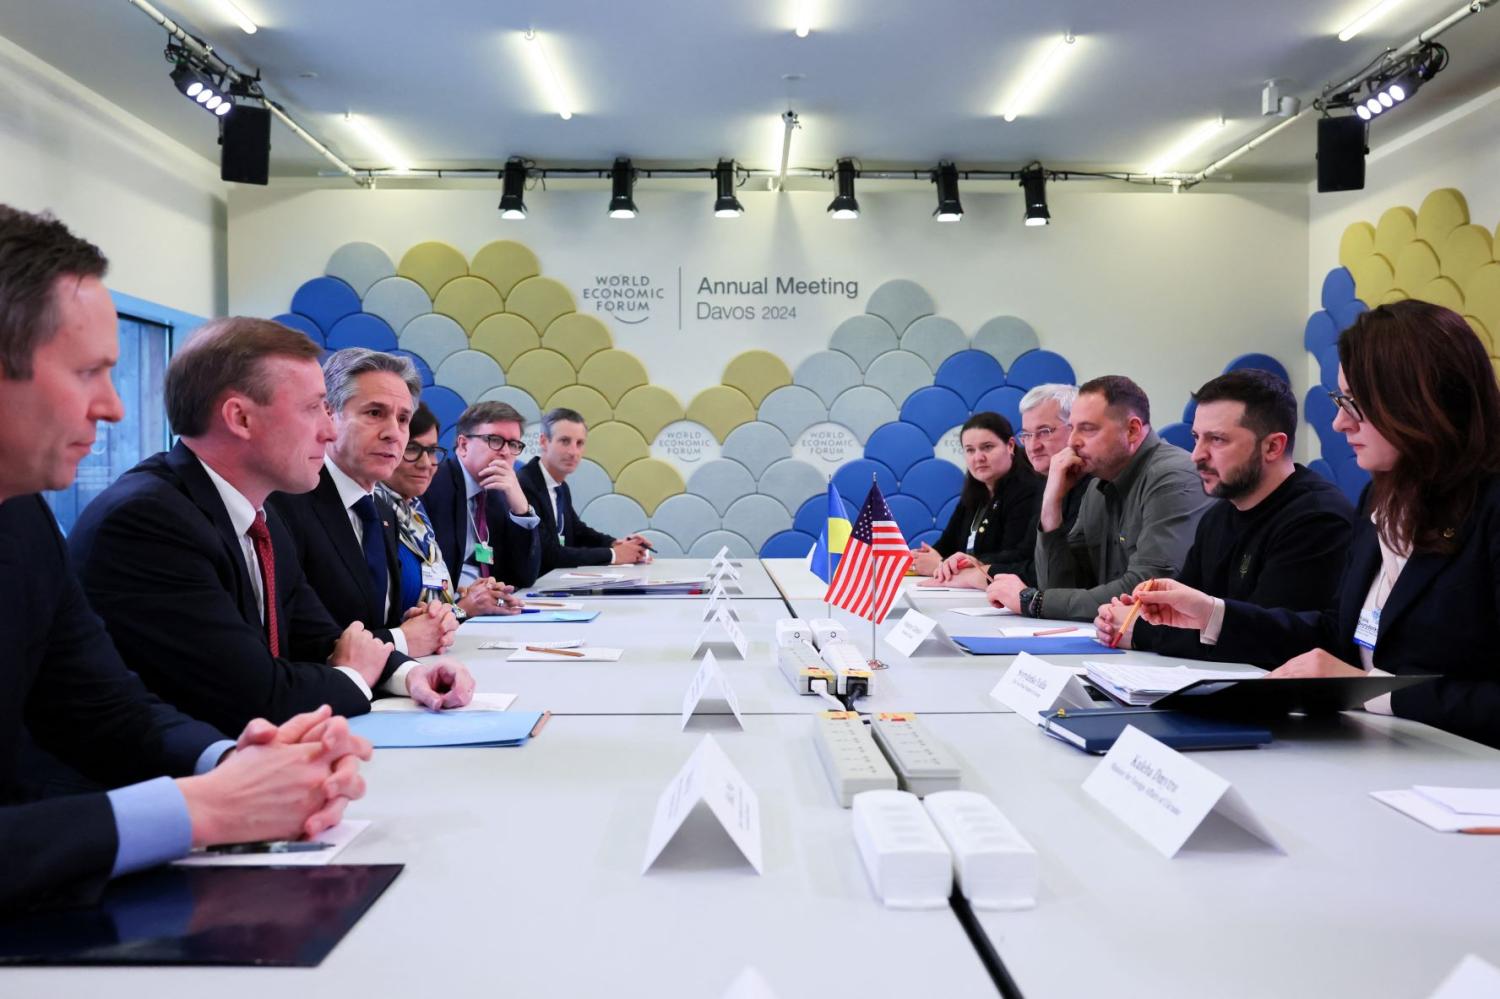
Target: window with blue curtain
pixel 145 349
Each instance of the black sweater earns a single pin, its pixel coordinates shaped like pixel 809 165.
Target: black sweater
pixel 1287 551
pixel 1005 532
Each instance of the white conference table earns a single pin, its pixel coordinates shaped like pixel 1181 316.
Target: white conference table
pixel 1364 902
pixel 754 582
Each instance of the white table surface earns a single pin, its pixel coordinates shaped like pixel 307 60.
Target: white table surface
pixel 1365 902
pixel 754 582
pixel 523 878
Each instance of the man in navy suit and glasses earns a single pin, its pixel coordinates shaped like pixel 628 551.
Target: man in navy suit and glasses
pixel 177 783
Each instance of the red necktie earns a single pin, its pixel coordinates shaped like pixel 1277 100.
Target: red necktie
pixel 481 534
pixel 260 535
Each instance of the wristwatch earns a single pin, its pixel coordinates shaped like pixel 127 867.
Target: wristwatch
pixel 1031 601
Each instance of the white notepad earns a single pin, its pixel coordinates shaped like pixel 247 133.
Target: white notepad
pixel 481 702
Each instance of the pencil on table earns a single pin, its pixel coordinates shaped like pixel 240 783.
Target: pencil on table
pixel 1130 615
pixel 555 652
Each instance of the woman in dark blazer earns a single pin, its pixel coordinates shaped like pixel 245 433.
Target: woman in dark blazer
pixel 995 521
pixel 1420 593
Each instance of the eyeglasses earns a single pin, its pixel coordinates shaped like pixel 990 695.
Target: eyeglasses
pixel 1042 434
pixel 1348 405
pixel 414 453
pixel 498 443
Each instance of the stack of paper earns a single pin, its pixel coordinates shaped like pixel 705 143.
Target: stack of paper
pixel 906 857
pixel 1138 685
pixel 1448 809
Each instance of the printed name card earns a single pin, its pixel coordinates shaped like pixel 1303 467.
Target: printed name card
pixel 723 567
pixel 1474 978
pixel 914 629
pixel 716 597
pixel 1033 688
pixel 708 778
pixel 1163 795
pixel 724 620
pixel 709 681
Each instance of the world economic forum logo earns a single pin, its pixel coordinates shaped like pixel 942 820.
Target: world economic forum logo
pixel 628 298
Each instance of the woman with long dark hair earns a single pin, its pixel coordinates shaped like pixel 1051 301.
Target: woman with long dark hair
pixel 1419 405
pixel 995 520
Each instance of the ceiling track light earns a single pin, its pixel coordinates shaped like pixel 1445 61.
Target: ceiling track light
pixel 843 205
pixel 513 189
pixel 202 89
pixel 948 207
pixel 622 182
pixel 1034 188
pixel 1392 85
pixel 726 205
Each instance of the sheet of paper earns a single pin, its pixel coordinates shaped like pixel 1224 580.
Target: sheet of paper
pixel 1163 795
pixel 1471 800
pixel 708 777
pixel 1430 813
pixel 482 702
pixel 567 643
pixel 598 577
pixel 1033 687
pixel 910 633
pixel 591 654
pixel 340 836
pixel 983 611
pixel 709 681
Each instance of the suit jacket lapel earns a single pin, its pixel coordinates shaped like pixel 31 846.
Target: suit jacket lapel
pixel 335 521
pixel 205 495
pixel 1418 574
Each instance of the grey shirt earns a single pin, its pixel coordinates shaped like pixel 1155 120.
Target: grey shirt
pixel 1135 528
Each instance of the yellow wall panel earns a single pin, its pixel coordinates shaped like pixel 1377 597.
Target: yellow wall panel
pixel 721 409
pixel 649 481
pixel 432 265
pixel 541 372
pixel 504 264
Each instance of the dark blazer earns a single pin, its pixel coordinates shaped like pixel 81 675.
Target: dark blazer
pixel 1006 536
pixel 333 561
pixel 1440 618
pixel 518 551
pixel 63 684
pixel 162 565
pixel 580 544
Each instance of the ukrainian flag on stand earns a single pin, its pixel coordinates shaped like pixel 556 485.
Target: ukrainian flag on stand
pixel 824 558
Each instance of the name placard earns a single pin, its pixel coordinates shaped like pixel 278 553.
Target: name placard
pixel 708 778
pixel 709 681
pixel 914 629
pixel 1474 978
pixel 1033 688
pixel 722 619
pixel 1163 795
pixel 717 596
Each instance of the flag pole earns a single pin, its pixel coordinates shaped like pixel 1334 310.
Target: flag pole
pixel 827 606
pixel 875 662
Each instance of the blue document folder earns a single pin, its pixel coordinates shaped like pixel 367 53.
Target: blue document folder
pixel 539 617
pixel 422 729
pixel 1094 730
pixel 987 645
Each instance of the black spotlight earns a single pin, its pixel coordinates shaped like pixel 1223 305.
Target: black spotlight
pixel 948 207
pixel 622 181
pixel 843 205
pixel 1034 186
pixel 197 85
pixel 1341 153
pixel 512 190
pixel 726 205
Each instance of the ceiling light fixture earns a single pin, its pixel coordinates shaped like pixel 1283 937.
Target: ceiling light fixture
pixel 1190 142
pixel 948 207
pixel 1395 84
pixel 548 73
pixel 238 16
pixel 843 205
pixel 1368 18
pixel 377 142
pixel 803 25
pixel 513 189
pixel 1034 188
pixel 726 205
pixel 197 85
pixel 622 181
pixel 1039 75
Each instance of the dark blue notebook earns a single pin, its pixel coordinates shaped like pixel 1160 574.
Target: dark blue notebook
pixel 1094 730
pixel 987 645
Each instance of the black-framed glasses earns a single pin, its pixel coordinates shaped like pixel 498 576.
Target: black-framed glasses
pixel 1042 434
pixel 414 452
pixel 498 443
pixel 1347 404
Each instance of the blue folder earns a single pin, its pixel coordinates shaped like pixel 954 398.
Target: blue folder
pixel 1094 730
pixel 987 645
pixel 422 729
pixel 539 617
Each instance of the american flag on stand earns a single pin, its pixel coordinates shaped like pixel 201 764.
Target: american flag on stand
pixel 875 561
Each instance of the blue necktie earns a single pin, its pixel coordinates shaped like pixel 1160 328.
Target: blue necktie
pixel 562 504
pixel 374 545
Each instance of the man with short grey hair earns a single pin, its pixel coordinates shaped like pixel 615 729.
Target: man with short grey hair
pixel 566 540
pixel 345 533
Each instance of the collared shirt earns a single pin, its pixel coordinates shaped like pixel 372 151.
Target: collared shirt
pixel 552 485
pixel 472 488
pixel 350 493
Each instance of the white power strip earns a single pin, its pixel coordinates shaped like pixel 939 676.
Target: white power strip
pixel 922 764
pixel 997 868
pixel 802 667
pixel 851 668
pixel 825 630
pixel 850 757
pixel 906 857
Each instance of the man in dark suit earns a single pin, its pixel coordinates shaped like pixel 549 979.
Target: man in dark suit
pixel 345 534
pixel 63 687
pixel 566 540
pixel 199 586
pixel 493 538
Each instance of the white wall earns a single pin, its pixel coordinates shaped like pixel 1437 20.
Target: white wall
pixel 155 208
pixel 1166 288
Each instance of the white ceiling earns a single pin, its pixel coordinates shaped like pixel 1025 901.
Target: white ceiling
pixel 894 83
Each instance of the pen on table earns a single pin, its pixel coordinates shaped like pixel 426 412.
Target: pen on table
pixel 1482 830
pixel 541 603
pixel 267 846
pixel 1130 615
pixel 1053 631
pixel 555 652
